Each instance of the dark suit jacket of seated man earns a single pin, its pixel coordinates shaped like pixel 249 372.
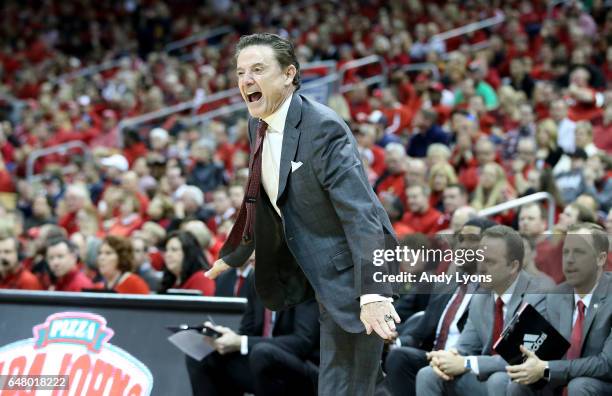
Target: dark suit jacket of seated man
pixel 283 364
pixel 317 223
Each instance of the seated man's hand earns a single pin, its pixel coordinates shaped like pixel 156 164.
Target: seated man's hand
pixel 381 317
pixel 228 342
pixel 447 364
pixel 532 370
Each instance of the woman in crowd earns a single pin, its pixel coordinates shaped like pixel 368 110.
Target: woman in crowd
pixel 185 265
pixel 493 187
pixel 116 263
pixel 549 152
pixel 440 176
pixel 129 219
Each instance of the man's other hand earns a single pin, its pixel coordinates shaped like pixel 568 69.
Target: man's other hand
pixel 228 342
pixel 373 318
pixel 217 269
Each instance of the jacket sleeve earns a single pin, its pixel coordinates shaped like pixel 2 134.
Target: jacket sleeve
pixel 598 366
pixel 339 170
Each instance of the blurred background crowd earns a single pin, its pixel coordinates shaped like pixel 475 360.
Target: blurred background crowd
pixel 453 124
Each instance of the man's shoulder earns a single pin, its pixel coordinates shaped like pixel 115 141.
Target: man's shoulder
pixel 318 112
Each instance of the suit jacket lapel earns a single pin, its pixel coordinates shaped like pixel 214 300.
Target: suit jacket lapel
pixel 565 317
pixel 517 296
pixel 488 316
pixel 597 301
pixel 291 137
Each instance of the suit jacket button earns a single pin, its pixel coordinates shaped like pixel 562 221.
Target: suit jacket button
pixel 290 238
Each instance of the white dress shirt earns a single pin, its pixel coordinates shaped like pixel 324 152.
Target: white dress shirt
pixel 586 300
pixel 270 168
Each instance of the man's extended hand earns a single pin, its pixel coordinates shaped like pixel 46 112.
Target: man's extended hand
pixel 217 269
pixel 532 370
pixel 373 318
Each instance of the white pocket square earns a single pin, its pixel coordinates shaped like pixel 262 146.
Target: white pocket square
pixel 295 166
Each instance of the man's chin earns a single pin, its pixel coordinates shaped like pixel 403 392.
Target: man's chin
pixel 255 111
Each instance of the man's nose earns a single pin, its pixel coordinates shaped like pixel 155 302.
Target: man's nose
pixel 248 79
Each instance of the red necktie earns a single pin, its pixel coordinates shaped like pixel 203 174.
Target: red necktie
pixel 574 351
pixel 238 285
pixel 267 327
pixel 451 312
pixel 576 339
pixel 498 321
pixel 243 228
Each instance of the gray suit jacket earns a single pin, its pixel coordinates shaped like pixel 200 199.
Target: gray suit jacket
pixel 331 220
pixel 596 356
pixel 476 338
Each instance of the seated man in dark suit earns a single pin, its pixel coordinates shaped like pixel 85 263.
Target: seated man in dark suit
pixel 440 326
pixel 273 353
pixel 235 282
pixel 581 310
pixel 473 368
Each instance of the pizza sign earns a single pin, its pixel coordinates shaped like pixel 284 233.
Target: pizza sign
pixel 76 345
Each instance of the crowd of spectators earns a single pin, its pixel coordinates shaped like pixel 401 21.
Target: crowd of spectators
pixel 518 108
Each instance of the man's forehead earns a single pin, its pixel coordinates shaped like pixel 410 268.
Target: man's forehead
pixel 579 237
pixel 255 54
pixel 492 242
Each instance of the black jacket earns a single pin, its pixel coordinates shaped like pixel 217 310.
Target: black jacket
pixel 296 329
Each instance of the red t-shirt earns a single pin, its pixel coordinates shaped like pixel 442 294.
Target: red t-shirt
pixel 69 223
pixel 549 259
pixel 378 165
pixel 132 284
pixel 198 281
pixel 602 137
pixel 22 280
pixel 73 281
pixel 394 184
pixel 425 223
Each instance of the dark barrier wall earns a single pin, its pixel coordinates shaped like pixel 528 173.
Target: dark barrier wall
pixel 138 322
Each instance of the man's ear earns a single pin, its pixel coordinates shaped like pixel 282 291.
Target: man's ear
pixel 516 265
pixel 602 259
pixel 290 73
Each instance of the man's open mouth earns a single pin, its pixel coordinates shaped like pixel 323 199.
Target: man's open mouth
pixel 254 97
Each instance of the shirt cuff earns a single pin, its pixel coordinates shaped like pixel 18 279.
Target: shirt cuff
pixel 398 342
pixel 473 364
pixel 244 345
pixel 370 298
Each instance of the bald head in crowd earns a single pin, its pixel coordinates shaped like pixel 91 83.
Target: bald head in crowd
pixel 416 172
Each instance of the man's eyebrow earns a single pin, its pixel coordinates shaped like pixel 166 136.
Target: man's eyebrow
pixel 258 64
